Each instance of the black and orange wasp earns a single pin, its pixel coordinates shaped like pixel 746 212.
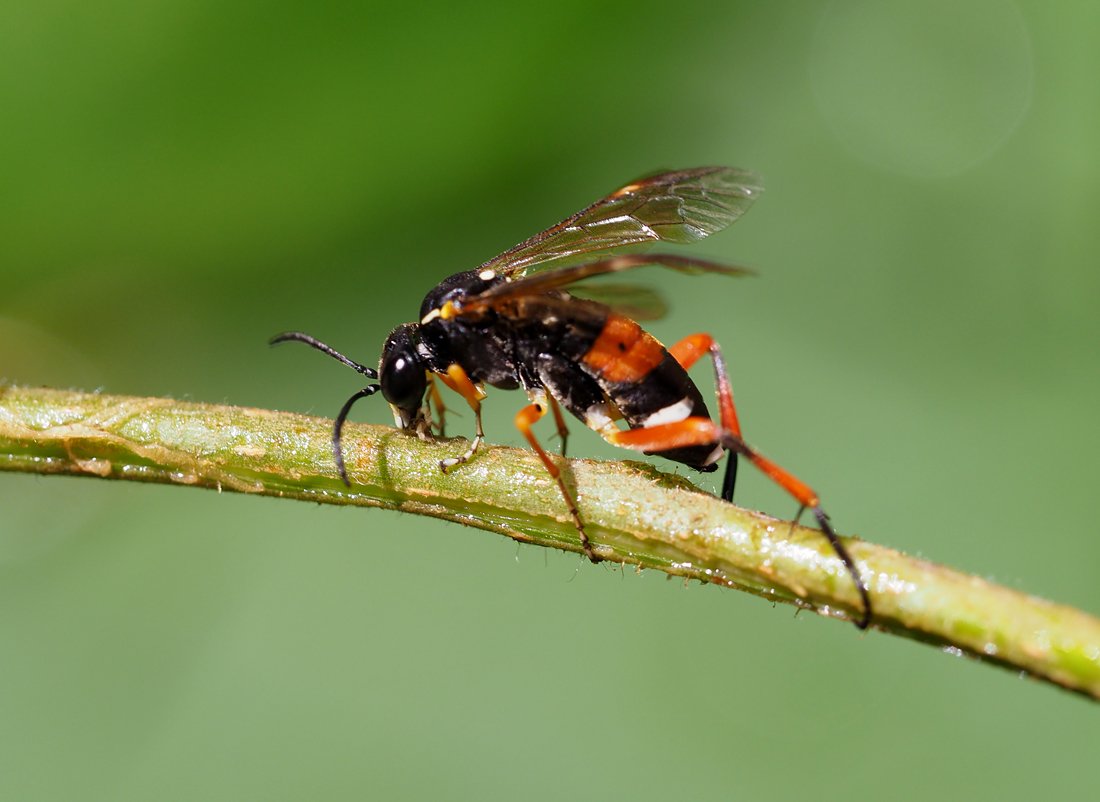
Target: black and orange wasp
pixel 518 321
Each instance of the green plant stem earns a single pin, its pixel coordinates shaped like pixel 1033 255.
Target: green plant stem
pixel 634 514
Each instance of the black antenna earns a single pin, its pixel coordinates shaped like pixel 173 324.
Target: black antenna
pixel 370 373
pixel 337 451
pixel 313 342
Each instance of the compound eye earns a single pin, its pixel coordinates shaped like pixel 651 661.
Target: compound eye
pixel 403 381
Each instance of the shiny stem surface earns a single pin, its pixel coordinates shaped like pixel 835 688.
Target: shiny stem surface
pixel 634 514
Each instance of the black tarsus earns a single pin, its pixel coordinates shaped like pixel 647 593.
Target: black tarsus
pixel 337 451
pixel 730 479
pixel 849 563
pixel 313 342
pixel 732 443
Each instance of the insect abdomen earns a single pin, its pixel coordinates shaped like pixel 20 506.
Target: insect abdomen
pixel 647 385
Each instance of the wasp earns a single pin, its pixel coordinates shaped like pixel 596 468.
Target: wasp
pixel 518 321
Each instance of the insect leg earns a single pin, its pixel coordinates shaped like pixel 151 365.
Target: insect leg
pixel 525 418
pixel 434 400
pixel 687 352
pixel 703 431
pixel 559 421
pixel 457 379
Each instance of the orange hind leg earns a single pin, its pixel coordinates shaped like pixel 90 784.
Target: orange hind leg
pixel 696 431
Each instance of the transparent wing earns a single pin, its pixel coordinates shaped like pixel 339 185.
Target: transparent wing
pixel 681 206
pixel 543 282
pixel 630 300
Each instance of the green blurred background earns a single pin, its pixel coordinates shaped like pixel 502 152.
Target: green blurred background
pixel 179 180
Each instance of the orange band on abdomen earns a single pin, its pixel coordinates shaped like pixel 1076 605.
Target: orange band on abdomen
pixel 624 352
